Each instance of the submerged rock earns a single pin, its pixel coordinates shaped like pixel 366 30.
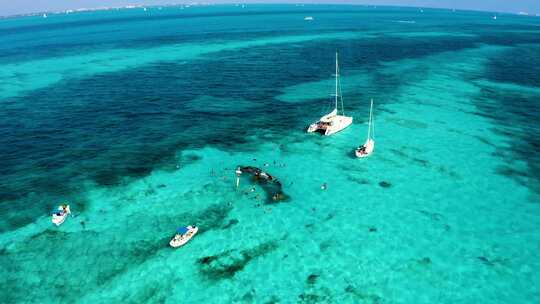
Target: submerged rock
pixel 230 224
pixel 226 264
pixel 385 184
pixel 312 279
pixel 487 261
pixel 312 298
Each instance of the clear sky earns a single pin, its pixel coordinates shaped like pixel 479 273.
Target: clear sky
pixel 12 7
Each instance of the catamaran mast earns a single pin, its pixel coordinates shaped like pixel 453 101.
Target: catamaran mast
pixel 337 76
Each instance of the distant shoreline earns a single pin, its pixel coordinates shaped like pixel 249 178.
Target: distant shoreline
pixel 195 4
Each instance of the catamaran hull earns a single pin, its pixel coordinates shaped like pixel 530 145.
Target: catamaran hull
pixel 342 123
pixel 312 128
pixel 339 123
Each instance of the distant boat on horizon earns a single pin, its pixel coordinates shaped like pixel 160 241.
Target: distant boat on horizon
pixel 44 15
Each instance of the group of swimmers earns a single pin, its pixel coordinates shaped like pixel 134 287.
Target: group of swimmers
pixel 260 175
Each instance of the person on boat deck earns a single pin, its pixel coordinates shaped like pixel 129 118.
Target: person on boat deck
pixel 64 208
pixel 61 212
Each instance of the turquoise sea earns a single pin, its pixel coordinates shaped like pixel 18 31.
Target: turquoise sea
pixel 139 118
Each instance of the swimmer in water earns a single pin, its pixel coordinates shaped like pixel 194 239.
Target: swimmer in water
pixel 324 186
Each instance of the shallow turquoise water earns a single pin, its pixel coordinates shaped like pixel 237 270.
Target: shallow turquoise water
pixel 140 118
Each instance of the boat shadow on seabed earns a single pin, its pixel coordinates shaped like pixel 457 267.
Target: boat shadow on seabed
pixel 268 183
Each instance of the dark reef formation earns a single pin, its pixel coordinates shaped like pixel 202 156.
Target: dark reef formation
pixel 226 264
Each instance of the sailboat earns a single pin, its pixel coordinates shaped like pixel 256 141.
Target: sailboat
pixel 367 148
pixel 332 122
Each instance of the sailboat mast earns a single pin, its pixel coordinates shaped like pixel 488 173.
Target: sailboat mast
pixel 337 75
pixel 369 122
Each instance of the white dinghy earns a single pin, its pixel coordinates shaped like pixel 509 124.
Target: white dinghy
pixel 333 122
pixel 367 148
pixel 183 235
pixel 60 215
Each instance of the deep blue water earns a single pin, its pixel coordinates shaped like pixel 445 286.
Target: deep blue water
pixel 109 126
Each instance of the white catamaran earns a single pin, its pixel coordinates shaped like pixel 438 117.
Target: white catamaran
pixel 367 148
pixel 332 122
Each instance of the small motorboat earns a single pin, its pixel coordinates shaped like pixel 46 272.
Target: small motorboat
pixel 60 215
pixel 183 235
pixel 308 18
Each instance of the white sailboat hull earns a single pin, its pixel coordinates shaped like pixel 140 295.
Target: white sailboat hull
pixel 366 149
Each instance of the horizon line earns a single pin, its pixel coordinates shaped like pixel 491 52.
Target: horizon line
pixel 232 3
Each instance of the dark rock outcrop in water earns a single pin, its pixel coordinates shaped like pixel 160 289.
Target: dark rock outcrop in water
pixel 226 264
pixel 270 184
pixel 385 184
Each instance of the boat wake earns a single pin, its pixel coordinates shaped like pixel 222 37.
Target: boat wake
pixel 405 21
